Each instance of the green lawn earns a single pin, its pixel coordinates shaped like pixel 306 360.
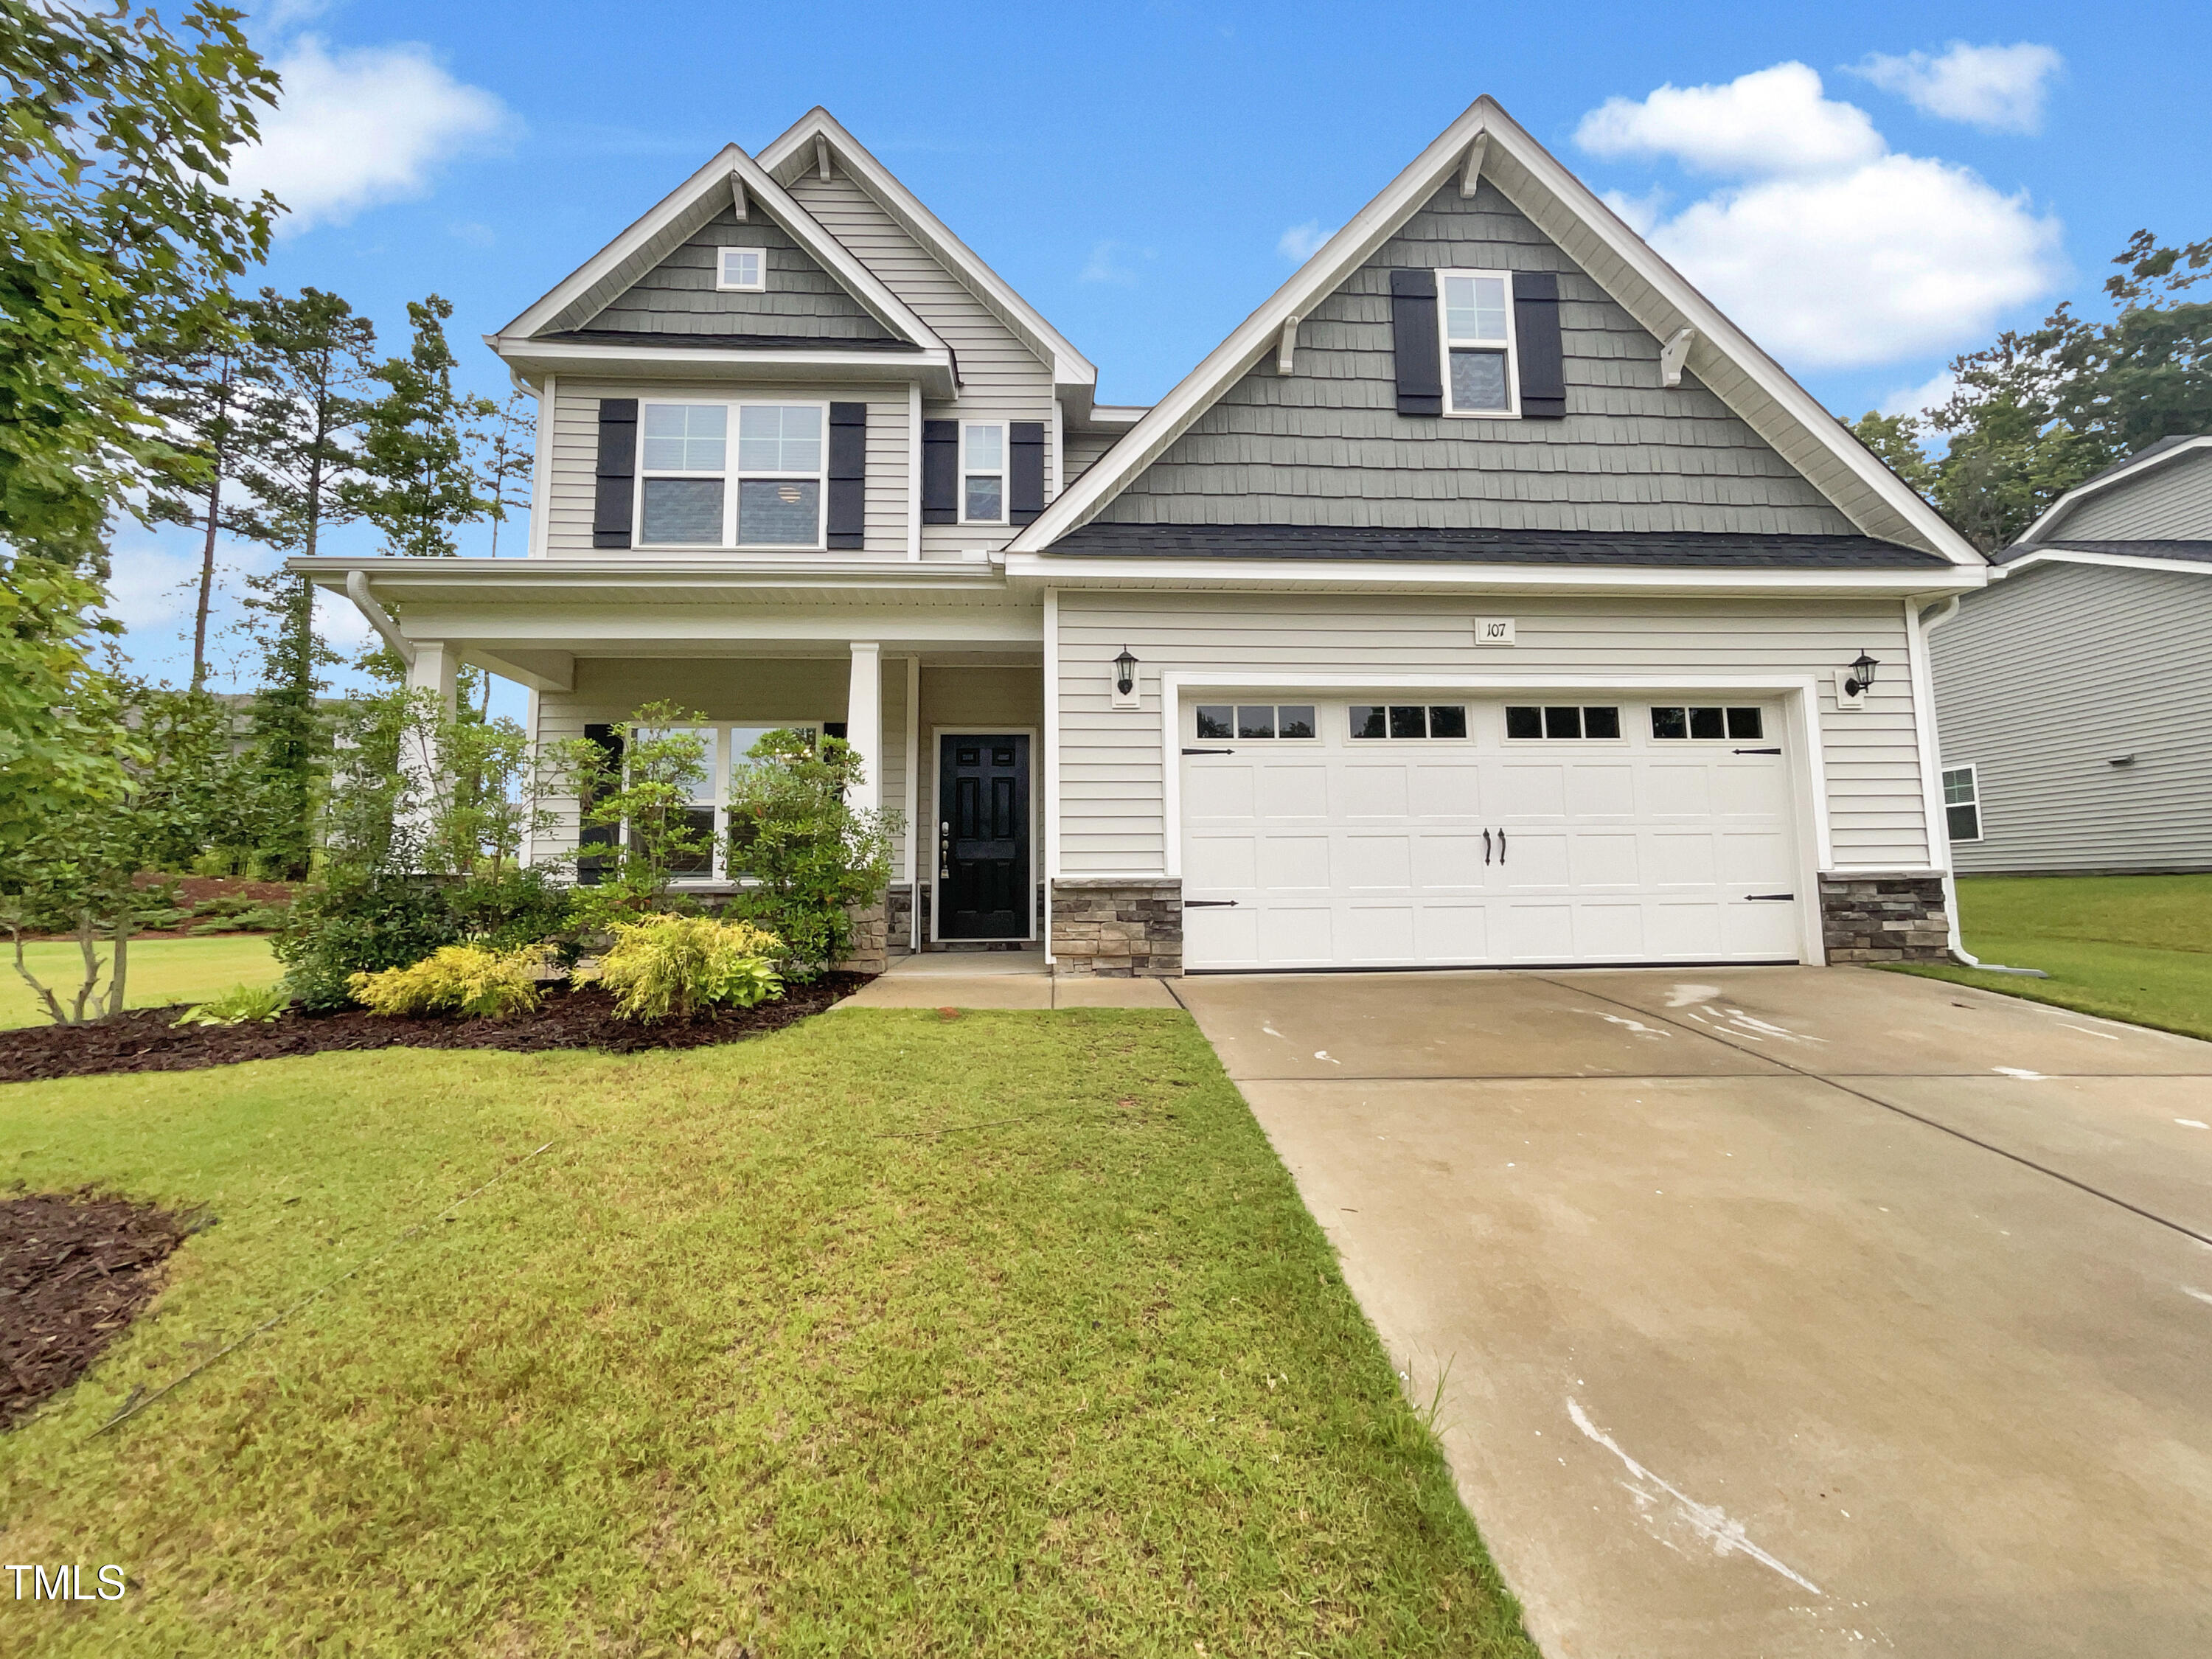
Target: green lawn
pixel 2133 947
pixel 160 970
pixel 754 1359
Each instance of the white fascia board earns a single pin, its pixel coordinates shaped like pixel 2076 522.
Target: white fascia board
pixel 2047 522
pixel 700 197
pixel 2085 555
pixel 1681 306
pixel 933 366
pixel 589 576
pixel 794 153
pixel 1166 573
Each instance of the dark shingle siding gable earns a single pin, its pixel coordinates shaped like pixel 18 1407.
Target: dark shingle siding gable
pixel 1325 444
pixel 678 295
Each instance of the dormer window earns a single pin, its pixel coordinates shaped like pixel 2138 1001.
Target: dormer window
pixel 1478 341
pixel 742 270
pixel 982 472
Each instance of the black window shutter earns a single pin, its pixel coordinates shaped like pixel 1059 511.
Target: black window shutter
pixel 1536 345
pixel 618 472
pixel 1413 333
pixel 940 472
pixel 1025 471
pixel 848 475
pixel 591 868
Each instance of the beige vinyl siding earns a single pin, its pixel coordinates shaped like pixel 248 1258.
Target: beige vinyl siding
pixel 678 295
pixel 2044 680
pixel 575 453
pixel 1110 792
pixel 1001 378
pixel 2171 502
pixel 1079 449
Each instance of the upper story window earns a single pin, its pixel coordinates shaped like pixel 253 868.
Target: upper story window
pixel 743 269
pixel 689 496
pixel 1477 312
pixel 982 472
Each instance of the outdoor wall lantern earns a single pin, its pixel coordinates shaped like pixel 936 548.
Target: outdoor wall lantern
pixel 1125 672
pixel 1862 680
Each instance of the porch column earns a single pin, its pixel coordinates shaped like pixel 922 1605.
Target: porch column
pixel 435 670
pixel 864 723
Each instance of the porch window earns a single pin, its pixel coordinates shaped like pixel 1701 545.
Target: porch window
pixel 686 498
pixel 707 811
pixel 1962 803
pixel 1478 341
pixel 982 472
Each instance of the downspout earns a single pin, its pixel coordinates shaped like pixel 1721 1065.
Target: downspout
pixel 1925 623
pixel 379 617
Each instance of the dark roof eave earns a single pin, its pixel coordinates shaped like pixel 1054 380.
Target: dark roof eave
pixel 1638 549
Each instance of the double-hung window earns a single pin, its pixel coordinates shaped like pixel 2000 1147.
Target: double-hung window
pixel 1962 803
pixel 742 268
pixel 689 496
pixel 1477 310
pixel 982 472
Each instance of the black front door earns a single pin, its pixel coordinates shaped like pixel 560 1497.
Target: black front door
pixel 983 837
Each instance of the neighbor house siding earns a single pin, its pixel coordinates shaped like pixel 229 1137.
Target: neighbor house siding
pixel 1325 444
pixel 1001 378
pixel 2043 680
pixel 678 295
pixel 575 450
pixel 2173 502
pixel 1111 811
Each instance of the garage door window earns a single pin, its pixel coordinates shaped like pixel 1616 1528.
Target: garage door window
pixel 1707 724
pixel 1526 722
pixel 1254 722
pixel 1409 719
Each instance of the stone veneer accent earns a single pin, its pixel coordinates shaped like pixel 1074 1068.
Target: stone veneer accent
pixel 1879 918
pixel 898 920
pixel 871 953
pixel 1117 928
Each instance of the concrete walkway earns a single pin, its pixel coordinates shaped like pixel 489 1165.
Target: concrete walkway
pixel 998 979
pixel 1780 1311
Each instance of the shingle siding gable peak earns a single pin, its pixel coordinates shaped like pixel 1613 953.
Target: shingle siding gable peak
pixel 1653 293
pixel 1333 444
pixel 681 296
pixel 789 157
pixel 671 221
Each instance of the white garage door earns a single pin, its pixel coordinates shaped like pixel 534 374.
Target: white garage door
pixel 1322 833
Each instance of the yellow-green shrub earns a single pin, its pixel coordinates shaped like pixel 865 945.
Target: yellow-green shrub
pixel 456 979
pixel 664 967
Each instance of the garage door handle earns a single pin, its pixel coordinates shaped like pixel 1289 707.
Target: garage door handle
pixel 1209 904
pixel 1757 751
pixel 1209 751
pixel 1501 847
pixel 1486 847
pixel 1775 898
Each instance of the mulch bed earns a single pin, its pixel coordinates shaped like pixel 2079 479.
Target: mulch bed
pixel 149 1040
pixel 75 1269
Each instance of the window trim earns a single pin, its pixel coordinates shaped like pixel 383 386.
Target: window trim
pixel 1233 706
pixel 1003 472
pixel 1651 710
pixel 1512 348
pixel 721 265
pixel 1974 787
pixel 732 476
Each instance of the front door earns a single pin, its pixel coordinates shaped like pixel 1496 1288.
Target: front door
pixel 983 836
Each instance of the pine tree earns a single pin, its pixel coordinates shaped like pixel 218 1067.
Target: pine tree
pixel 509 451
pixel 417 486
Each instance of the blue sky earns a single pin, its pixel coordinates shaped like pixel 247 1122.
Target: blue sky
pixel 1144 173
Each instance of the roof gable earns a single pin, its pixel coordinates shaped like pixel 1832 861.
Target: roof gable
pixel 2164 490
pixel 1627 274
pixel 800 301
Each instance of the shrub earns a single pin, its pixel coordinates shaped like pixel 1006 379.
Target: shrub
pixel 810 856
pixel 260 1004
pixel 665 967
pixel 358 923
pixel 455 979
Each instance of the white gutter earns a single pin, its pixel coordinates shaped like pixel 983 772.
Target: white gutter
pixel 356 587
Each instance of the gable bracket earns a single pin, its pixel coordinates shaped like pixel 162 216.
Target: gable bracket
pixel 822 158
pixel 1286 347
pixel 738 196
pixel 1471 174
pixel 1673 355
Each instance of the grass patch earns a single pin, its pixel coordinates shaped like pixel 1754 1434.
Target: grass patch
pixel 161 970
pixel 2137 948
pixel 884 1335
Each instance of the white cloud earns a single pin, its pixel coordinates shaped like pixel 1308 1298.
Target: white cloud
pixel 360 127
pixel 1831 251
pixel 343 628
pixel 1920 401
pixel 1773 120
pixel 149 588
pixel 1104 266
pixel 1641 214
pixel 1301 242
pixel 1998 89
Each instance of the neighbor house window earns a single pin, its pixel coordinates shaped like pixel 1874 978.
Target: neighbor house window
pixel 742 268
pixel 1962 803
pixel 685 495
pixel 1561 720
pixel 1707 723
pixel 1408 720
pixel 982 472
pixel 1253 722
pixel 1478 341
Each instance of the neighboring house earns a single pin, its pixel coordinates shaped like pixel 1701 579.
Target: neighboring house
pixel 2076 691
pixel 1486 596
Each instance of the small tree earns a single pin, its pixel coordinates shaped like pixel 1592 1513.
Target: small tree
pixel 642 804
pixel 810 856
pixel 506 449
pixel 416 485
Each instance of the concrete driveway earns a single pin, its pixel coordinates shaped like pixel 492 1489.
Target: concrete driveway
pixel 1780 1311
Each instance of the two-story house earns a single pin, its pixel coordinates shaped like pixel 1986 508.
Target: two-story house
pixel 1485 598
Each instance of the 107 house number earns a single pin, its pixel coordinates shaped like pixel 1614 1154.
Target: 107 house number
pixel 64 1583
